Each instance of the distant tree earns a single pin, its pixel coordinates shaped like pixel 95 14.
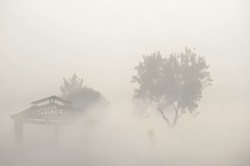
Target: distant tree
pixel 81 96
pixel 173 83
pixel 71 85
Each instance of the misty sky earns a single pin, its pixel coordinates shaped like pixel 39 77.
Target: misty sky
pixel 102 41
pixel 42 41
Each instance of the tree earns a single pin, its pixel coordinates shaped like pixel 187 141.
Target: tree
pixel 172 83
pixel 71 85
pixel 81 96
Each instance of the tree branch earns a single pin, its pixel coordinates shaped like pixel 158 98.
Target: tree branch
pixel 176 116
pixel 164 117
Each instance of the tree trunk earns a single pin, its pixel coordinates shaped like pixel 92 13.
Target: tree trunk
pixel 164 117
pixel 176 117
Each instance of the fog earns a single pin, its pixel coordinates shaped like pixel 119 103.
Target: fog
pixel 102 41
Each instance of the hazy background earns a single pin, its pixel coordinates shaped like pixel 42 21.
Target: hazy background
pixel 102 41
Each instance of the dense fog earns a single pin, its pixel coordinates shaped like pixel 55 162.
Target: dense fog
pixel 41 42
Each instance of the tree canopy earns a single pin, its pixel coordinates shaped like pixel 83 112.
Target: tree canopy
pixel 81 96
pixel 175 81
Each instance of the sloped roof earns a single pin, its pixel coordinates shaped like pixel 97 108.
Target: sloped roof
pixel 52 107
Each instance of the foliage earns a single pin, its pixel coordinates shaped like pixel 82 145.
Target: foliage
pixel 176 81
pixel 81 96
pixel 71 85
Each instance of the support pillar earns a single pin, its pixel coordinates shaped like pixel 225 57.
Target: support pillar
pixel 56 135
pixel 18 131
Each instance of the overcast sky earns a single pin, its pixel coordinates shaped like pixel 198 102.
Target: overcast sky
pixel 102 41
pixel 42 41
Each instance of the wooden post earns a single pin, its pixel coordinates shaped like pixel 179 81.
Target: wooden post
pixel 151 137
pixel 56 135
pixel 18 131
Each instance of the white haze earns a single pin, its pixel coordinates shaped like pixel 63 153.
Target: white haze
pixel 102 41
